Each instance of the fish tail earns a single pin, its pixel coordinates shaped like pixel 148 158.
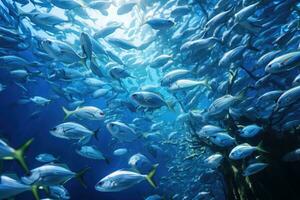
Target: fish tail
pixel 171 106
pixel 80 176
pixel 34 190
pixel 20 13
pixel 67 113
pixel 84 62
pixel 107 160
pixel 260 148
pixel 207 84
pixel 220 41
pixel 150 176
pixel 96 134
pixel 250 45
pixel 19 154
pixel 242 93
pixel 217 39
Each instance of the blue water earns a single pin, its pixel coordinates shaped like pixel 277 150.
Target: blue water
pixel 181 167
pixel 17 127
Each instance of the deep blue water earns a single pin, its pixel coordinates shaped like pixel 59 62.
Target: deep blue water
pixel 182 168
pixel 17 127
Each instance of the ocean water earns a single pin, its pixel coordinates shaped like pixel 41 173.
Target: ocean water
pixel 207 91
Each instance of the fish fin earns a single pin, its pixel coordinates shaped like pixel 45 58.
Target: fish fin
pixel 250 46
pixel 19 154
pixel 60 165
pixel 150 176
pixel 96 134
pixel 242 93
pixel 260 148
pixel 80 175
pixel 84 140
pixel 34 190
pixel 83 62
pixel 67 113
pixel 207 84
pixel 171 106
pixel 46 188
pixel 143 136
pixel 21 13
pixel 107 160
pixel 240 126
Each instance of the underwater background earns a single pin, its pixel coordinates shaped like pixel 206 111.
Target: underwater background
pixel 204 94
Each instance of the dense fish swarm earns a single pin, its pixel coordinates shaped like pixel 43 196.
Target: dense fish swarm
pixel 174 99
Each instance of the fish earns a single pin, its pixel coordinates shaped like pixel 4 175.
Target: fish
pixel 43 19
pixel 186 84
pixel 174 75
pixel 122 43
pixel 101 6
pixel 2 87
pixel 119 73
pixel 61 51
pixel 42 101
pixel 66 4
pixel 10 187
pixel 160 23
pixel 283 63
pixel 126 8
pixel 288 97
pixel 122 131
pixel 140 162
pixel 222 140
pixel 85 112
pixel 254 168
pixel 222 104
pixel 148 99
pixel 9 153
pixel 214 160
pixel 59 191
pixel 154 197
pixel 160 61
pixel 46 157
pixel 292 156
pixel 296 81
pixel 73 131
pixel 120 152
pixel 250 131
pixel 100 93
pixel 200 44
pixel 51 175
pixel 86 46
pixel 192 86
pixel 243 150
pixel 106 30
pixel 180 11
pixel 91 152
pixel 15 62
pixel 246 12
pixel 123 179
pixel 209 130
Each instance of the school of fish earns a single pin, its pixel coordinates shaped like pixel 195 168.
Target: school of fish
pixel 196 83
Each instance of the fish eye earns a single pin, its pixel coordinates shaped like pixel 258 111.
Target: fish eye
pixel 101 183
pixel 54 129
